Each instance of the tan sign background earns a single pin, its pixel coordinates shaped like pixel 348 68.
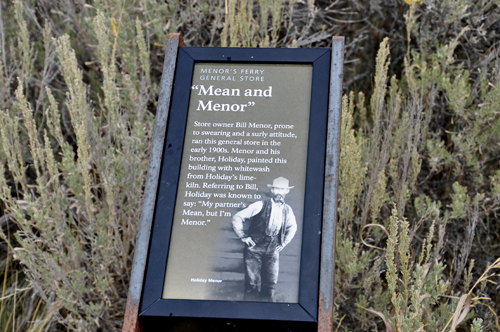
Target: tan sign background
pixel 247 125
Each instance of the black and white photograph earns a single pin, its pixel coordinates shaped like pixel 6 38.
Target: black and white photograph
pixel 270 227
pixel 263 258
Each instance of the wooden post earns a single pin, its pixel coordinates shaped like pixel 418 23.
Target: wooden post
pixel 326 281
pixel 131 320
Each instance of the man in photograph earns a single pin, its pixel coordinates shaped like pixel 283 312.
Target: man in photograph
pixel 265 227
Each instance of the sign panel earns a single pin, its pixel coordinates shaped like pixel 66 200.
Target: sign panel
pixel 237 223
pixel 238 218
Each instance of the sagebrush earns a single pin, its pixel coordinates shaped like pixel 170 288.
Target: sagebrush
pixel 418 241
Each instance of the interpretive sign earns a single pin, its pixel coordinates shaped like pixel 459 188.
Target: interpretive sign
pixel 238 217
pixel 247 126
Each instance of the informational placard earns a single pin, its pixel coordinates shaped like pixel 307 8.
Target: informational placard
pixel 246 137
pixel 238 221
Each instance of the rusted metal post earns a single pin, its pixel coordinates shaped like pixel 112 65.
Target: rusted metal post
pixel 131 321
pixel 326 281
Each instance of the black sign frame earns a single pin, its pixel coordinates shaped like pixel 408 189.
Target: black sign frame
pixel 153 308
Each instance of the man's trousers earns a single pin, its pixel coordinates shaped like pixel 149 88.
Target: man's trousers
pixel 261 270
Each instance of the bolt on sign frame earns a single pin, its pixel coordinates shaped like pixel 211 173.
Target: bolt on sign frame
pixel 164 291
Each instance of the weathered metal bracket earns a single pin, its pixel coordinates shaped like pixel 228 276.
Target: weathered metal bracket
pixel 326 281
pixel 131 321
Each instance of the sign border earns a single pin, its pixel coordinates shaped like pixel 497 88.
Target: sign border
pixel 307 309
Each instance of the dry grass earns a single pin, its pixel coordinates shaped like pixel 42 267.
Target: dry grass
pixel 418 237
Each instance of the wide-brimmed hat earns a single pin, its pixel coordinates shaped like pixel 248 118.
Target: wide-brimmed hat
pixel 280 182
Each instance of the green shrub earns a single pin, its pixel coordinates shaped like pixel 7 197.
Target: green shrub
pixel 77 216
pixel 419 177
pixel 429 147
